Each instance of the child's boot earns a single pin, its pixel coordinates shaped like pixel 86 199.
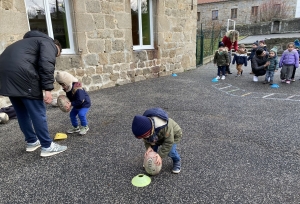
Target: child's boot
pixel 176 167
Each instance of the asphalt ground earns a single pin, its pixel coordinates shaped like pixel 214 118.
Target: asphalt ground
pixel 240 145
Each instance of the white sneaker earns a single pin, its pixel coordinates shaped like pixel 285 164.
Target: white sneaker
pixel 33 146
pixel 223 77
pixel 218 77
pixel 255 78
pixel 52 150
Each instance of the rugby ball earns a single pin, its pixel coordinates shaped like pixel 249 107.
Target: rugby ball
pixel 3 118
pixel 62 102
pixel 150 164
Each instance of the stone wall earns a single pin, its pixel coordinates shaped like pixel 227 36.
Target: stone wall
pixel 265 28
pixel 280 43
pixel 243 12
pixel 105 57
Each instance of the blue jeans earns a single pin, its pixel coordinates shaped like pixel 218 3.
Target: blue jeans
pixel 173 152
pixel 269 74
pixel 221 69
pixel 81 115
pixel 32 119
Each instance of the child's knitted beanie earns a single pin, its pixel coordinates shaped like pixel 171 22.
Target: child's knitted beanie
pixel 297 43
pixel 274 49
pixel 221 44
pixel 66 78
pixel 262 41
pixel 255 43
pixel 141 126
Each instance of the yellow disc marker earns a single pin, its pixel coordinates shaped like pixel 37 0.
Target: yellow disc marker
pixel 60 136
pixel 141 180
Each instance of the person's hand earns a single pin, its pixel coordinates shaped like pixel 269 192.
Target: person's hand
pixel 48 97
pixel 148 150
pixel 267 63
pixel 158 160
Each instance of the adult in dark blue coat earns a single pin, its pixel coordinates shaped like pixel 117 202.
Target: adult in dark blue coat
pixel 259 63
pixel 26 70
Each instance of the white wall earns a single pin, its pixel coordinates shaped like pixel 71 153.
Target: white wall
pixel 297 14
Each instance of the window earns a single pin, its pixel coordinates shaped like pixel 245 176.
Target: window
pixel 277 8
pixel 198 16
pixel 234 13
pixel 142 24
pixel 254 10
pixel 52 17
pixel 215 14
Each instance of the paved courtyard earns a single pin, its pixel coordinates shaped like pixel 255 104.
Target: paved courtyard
pixel 240 144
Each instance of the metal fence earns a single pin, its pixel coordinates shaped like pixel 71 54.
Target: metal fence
pixel 207 42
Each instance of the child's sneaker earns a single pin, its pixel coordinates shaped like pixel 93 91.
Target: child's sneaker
pixel 282 80
pixel 218 77
pixel 265 82
pixel 271 82
pixel 83 130
pixel 52 150
pixel 223 77
pixel 33 146
pixel 176 167
pixel 293 80
pixel 238 75
pixel 255 78
pixel 288 81
pixel 74 129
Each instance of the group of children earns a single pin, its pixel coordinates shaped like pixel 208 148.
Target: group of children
pixel 154 126
pixel 289 60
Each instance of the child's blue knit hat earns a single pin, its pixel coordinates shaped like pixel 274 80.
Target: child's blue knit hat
pixel 221 44
pixel 141 126
pixel 297 43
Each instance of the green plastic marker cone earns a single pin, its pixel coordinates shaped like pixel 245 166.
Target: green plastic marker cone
pixel 141 180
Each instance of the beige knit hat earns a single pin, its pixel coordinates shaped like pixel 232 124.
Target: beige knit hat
pixel 65 78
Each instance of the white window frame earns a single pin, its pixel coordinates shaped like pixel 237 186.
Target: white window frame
pixel 141 46
pixel 65 51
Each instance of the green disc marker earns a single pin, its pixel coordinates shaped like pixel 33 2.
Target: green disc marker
pixel 141 180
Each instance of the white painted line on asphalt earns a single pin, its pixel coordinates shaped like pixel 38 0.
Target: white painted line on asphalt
pixel 290 97
pixel 254 94
pixel 268 95
pixel 225 87
pixel 233 90
pixel 247 94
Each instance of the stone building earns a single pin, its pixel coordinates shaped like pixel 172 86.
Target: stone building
pixel 217 12
pixel 108 42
